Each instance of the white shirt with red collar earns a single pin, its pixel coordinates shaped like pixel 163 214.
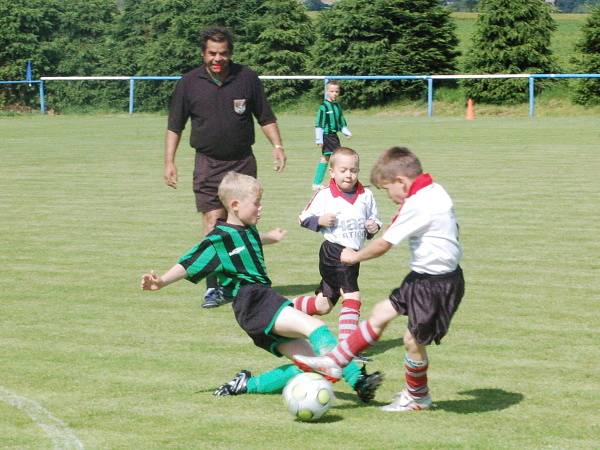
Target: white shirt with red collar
pixel 352 212
pixel 427 219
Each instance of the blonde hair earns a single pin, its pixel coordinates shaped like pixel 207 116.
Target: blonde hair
pixel 237 186
pixel 343 151
pixel 395 161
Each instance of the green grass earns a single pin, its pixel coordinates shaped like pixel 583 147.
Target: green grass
pixel 85 213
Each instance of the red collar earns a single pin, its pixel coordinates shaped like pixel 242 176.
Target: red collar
pixel 420 182
pixel 337 192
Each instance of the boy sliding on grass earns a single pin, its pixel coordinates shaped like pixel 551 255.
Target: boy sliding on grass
pixel 430 293
pixel 346 214
pixel 233 251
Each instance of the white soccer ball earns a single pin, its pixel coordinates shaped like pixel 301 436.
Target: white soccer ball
pixel 308 396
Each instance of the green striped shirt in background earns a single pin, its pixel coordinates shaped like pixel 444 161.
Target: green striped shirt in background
pixel 330 117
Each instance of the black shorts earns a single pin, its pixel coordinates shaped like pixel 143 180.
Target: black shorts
pixel 334 274
pixel 330 143
pixel 208 173
pixel 256 308
pixel 429 301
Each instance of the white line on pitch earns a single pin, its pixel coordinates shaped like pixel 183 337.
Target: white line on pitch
pixel 60 434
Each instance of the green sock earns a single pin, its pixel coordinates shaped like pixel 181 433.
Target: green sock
pixel 320 172
pixel 322 340
pixel 273 381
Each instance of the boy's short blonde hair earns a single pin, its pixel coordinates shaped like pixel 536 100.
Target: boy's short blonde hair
pixel 237 186
pixel 395 161
pixel 343 151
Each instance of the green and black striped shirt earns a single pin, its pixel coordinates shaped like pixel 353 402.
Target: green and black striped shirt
pixel 330 117
pixel 234 253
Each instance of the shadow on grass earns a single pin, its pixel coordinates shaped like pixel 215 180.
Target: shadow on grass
pixel 329 418
pixel 384 346
pixel 295 289
pixel 482 400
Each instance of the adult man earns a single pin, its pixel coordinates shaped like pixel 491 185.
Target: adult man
pixel 220 97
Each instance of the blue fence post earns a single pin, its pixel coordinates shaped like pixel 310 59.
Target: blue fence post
pixel 131 96
pixel 531 97
pixel 42 100
pixel 429 96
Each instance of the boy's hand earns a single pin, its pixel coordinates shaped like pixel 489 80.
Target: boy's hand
pixel 273 236
pixel 346 132
pixel 371 226
pixel 327 220
pixel 151 282
pixel 348 257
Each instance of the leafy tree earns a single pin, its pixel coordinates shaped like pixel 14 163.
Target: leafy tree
pixel 511 36
pixel 355 37
pixel 281 47
pixel 81 46
pixel 588 60
pixel 26 31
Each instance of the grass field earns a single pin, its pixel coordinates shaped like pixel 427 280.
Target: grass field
pixel 88 360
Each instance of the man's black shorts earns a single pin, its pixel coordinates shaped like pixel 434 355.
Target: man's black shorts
pixel 208 173
pixel 256 308
pixel 429 301
pixel 330 143
pixel 334 274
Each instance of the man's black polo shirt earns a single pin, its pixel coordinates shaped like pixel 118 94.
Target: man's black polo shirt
pixel 222 124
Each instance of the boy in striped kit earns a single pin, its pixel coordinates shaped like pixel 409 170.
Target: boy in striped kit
pixel 328 122
pixel 346 214
pixel 233 251
pixel 429 295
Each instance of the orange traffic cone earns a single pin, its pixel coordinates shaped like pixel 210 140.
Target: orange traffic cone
pixel 470 115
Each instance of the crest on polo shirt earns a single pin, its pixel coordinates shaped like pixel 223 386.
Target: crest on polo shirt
pixel 239 106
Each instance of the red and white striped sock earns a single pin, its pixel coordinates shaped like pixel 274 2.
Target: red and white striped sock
pixel 360 339
pixel 306 303
pixel 349 316
pixel 416 377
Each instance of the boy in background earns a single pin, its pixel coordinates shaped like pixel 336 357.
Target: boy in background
pixel 429 295
pixel 346 214
pixel 233 251
pixel 329 121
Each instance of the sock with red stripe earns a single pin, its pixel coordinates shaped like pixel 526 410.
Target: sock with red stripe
pixel 349 316
pixel 416 377
pixel 307 304
pixel 359 340
pixel 322 340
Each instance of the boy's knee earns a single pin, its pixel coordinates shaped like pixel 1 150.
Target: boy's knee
pixel 382 314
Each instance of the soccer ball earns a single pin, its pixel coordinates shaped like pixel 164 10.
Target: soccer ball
pixel 308 396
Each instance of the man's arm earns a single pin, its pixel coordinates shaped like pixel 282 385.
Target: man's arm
pixel 375 249
pixel 271 131
pixel 171 143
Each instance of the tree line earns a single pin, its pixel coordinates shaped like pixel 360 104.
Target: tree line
pixel 277 37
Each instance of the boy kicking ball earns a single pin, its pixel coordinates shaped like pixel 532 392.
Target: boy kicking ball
pixel 233 251
pixel 429 295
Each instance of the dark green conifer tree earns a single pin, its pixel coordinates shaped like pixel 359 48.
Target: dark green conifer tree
pixel 588 60
pixel 511 36
pixel 384 37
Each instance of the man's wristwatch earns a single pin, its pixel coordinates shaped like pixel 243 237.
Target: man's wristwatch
pixel 278 146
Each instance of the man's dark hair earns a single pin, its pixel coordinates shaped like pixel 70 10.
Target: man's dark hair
pixel 217 34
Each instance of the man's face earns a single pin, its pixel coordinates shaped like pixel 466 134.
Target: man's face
pixel 216 57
